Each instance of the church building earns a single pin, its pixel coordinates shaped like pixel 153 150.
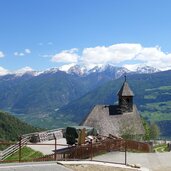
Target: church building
pixel 122 120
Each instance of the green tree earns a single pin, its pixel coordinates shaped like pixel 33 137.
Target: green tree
pixel 146 129
pixel 154 131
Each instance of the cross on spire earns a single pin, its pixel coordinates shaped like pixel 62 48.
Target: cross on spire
pixel 125 77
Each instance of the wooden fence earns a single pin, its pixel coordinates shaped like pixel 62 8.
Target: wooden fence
pixel 13 148
pixel 50 134
pixel 79 152
pixel 93 149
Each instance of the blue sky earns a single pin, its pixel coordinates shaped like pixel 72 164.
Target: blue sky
pixel 48 33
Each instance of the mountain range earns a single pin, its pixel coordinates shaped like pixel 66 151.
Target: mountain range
pixel 41 93
pixel 60 96
pixel 83 70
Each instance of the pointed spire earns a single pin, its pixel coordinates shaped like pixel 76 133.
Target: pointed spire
pixel 125 89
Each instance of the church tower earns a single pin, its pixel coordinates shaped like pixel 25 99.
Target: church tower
pixel 125 95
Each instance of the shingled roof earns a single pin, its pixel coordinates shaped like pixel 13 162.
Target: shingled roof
pixel 108 123
pixel 125 90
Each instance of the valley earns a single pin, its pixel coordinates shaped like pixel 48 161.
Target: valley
pixel 58 98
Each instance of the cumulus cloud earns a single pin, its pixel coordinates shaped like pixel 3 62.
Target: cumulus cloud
pixel 66 56
pixel 3 71
pixel 125 54
pixel 112 54
pixel 1 54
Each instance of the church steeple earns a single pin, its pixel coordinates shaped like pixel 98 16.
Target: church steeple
pixel 125 95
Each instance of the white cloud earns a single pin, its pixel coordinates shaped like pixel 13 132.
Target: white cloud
pixel 19 54
pixel 66 56
pixel 3 71
pixel 112 54
pixel 15 53
pixel 27 51
pixel 23 70
pixel 1 54
pixel 125 54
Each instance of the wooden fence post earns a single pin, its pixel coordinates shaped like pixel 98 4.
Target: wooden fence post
pixel 91 149
pixel 55 146
pixel 125 152
pixel 20 138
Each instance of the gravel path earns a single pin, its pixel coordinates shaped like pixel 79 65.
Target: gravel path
pixel 153 161
pixel 48 149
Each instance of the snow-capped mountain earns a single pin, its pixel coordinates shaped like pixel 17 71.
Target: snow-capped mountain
pixel 78 70
pixel 146 70
pixel 82 70
pixel 20 72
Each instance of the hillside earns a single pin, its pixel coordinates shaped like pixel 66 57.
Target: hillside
pixel 152 96
pixel 42 93
pixel 11 127
pixel 56 98
pixel 45 93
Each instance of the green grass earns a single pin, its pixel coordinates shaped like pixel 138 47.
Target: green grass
pixel 161 148
pixel 151 96
pixel 159 88
pixel 26 154
pixel 155 93
pixel 157 111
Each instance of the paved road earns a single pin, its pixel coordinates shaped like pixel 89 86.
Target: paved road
pixel 48 149
pixel 154 161
pixel 47 166
pixel 53 166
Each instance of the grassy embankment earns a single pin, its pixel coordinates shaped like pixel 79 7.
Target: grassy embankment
pixel 27 154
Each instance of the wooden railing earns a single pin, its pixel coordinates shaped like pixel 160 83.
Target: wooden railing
pixel 13 148
pixel 80 151
pixel 49 133
pixel 25 139
pixel 93 149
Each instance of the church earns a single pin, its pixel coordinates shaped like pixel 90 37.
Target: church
pixel 121 120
